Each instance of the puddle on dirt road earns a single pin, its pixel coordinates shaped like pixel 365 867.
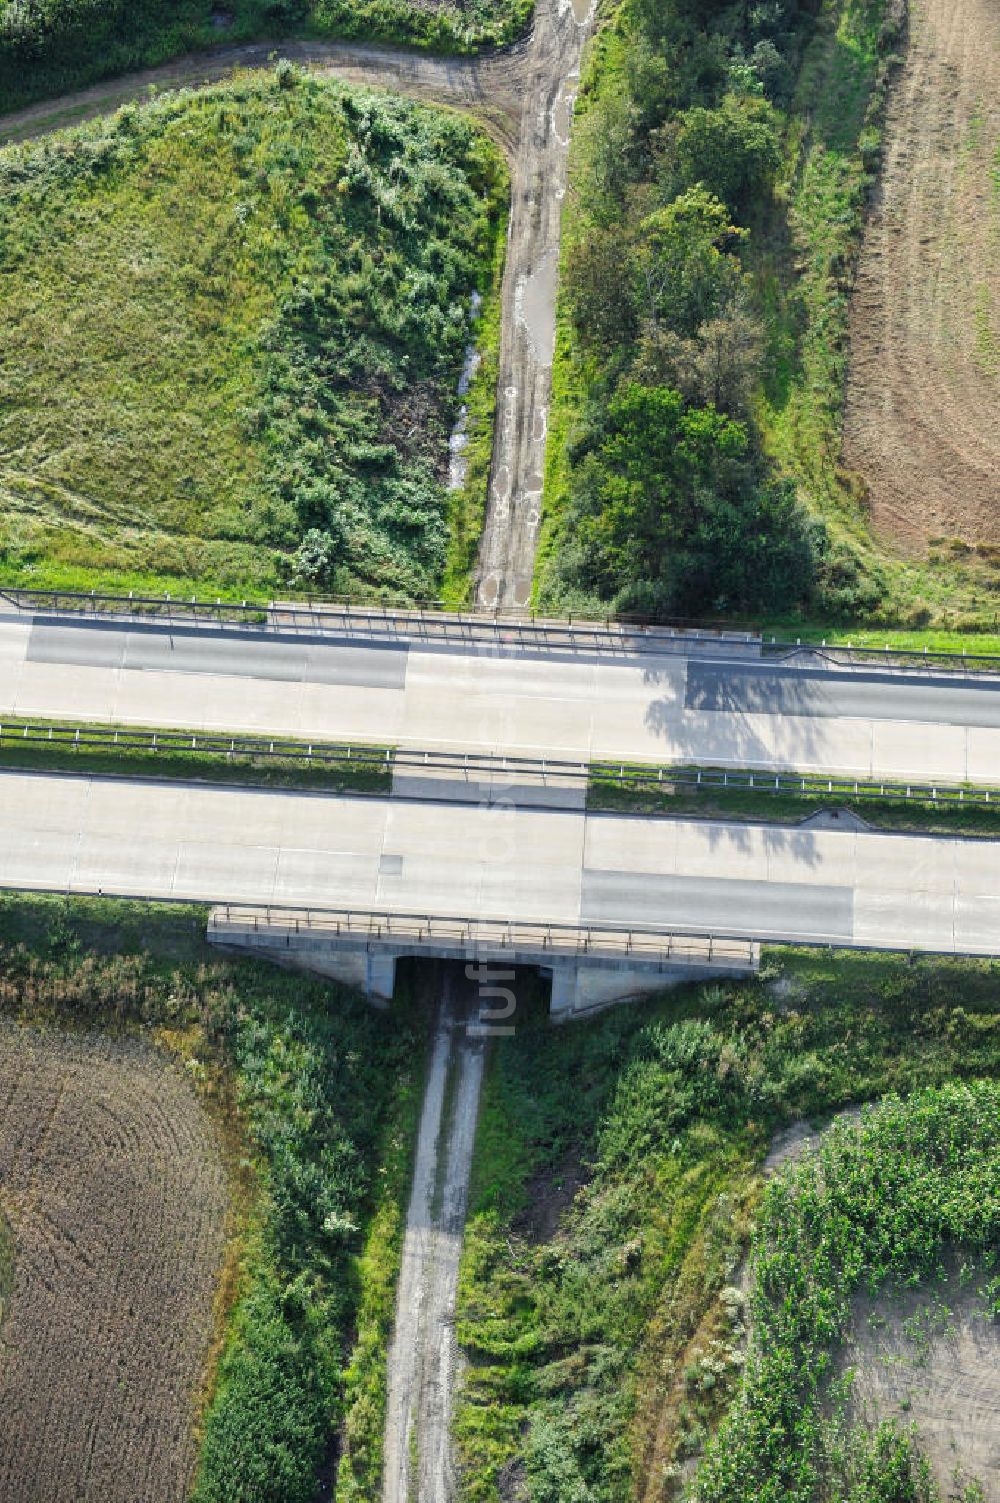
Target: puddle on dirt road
pixel 535 307
pixel 458 463
pixel 562 113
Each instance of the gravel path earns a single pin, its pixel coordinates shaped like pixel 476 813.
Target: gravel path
pixel 423 1354
pixel 524 97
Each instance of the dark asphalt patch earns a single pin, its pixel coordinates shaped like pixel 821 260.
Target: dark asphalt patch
pixel 765 690
pixel 230 654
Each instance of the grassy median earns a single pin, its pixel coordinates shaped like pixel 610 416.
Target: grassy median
pixel 274 762
pixel 674 791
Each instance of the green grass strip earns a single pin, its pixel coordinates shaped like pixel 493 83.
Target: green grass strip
pixel 275 762
pixel 632 788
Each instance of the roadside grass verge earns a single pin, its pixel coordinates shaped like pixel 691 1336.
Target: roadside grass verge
pixel 612 789
pixel 124 751
pixel 616 1182
pixel 312 1093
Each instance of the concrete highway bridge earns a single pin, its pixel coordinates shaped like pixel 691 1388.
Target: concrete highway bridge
pixel 609 903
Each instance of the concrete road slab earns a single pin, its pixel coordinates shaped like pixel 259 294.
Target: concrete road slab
pixel 34 857
pixel 653 710
pixel 89 646
pixel 58 691
pixel 918 920
pixel 143 866
pixel 983 752
pixel 977 922
pixel 374 716
pixel 912 864
pixel 246 873
pixel 37 801
pixel 719 905
pixel 219 844
pixel 350 877
pixel 14 638
pixel 642 845
pixel 829 856
pixel 552 727
pixel 918 751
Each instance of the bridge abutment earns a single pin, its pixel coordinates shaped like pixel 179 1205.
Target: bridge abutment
pixel 582 983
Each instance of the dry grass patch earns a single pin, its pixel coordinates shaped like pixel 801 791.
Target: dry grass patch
pixel 116 1198
pixel 924 381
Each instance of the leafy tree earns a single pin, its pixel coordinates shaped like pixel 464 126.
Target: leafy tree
pixel 684 270
pixel 671 517
pixel 733 150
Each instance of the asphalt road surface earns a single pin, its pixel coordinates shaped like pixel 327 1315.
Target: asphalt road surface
pixel 165 840
pixel 735 711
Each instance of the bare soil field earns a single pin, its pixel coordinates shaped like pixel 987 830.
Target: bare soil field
pixel 932 1359
pixel 116 1198
pixel 923 388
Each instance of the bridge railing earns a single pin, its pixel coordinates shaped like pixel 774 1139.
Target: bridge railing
pixel 432 620
pixel 278 925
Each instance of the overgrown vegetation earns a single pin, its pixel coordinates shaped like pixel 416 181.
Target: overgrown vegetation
pixel 314 1093
pixel 880 1205
pixel 616 1182
pixel 234 325
pixel 51 46
pixel 721 166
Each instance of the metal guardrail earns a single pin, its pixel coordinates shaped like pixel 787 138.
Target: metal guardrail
pixel 485 766
pixel 492 935
pixel 431 620
pixel 507 626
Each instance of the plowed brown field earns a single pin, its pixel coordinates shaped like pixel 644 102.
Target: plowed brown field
pixel 923 392
pixel 116 1197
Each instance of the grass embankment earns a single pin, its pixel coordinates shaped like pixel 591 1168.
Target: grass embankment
pixel 314 1095
pixel 880 1206
pixel 778 113
pixel 644 794
pixel 62 45
pixel 234 322
pixel 158 754
pixel 600 1342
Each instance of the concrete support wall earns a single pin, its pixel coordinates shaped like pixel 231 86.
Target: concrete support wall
pixel 580 985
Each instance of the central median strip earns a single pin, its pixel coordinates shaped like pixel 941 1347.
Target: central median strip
pixel 788 798
pixel 276 762
pixel 616 787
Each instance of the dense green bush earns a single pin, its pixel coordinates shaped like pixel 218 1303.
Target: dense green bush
pixel 669 506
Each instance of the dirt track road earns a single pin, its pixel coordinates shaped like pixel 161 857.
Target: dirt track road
pixel 923 388
pixel 423 1354
pixel 524 96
